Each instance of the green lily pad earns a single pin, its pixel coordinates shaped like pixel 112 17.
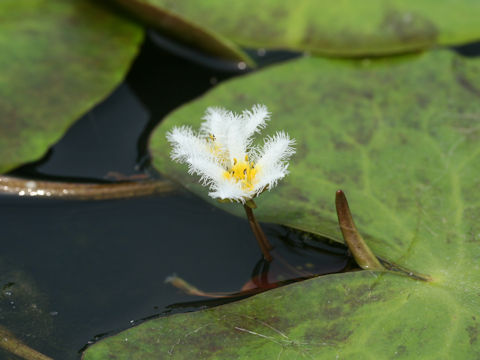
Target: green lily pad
pixel 340 28
pixel 401 137
pixel 184 30
pixel 391 133
pixel 361 315
pixel 59 58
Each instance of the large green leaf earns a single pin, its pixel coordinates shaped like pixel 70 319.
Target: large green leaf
pixel 58 59
pixel 347 316
pixel 183 30
pixel 345 27
pixel 401 137
pixel 397 135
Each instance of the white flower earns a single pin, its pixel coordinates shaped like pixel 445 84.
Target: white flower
pixel 223 155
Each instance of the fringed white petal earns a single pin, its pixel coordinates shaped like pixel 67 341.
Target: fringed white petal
pixel 217 122
pixel 210 171
pixel 214 121
pixel 228 189
pixel 272 160
pixel 255 120
pixel 236 144
pixel 243 127
pixel 268 180
pixel 185 144
pixel 277 148
pixel 233 132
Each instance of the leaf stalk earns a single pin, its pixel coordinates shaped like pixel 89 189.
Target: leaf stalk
pixel 364 257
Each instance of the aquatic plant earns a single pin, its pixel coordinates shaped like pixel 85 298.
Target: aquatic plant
pixel 225 157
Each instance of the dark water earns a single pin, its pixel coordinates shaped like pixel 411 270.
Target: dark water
pixel 71 270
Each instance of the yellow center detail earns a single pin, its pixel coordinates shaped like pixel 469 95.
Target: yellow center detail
pixel 215 148
pixel 243 172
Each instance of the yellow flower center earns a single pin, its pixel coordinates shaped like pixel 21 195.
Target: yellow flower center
pixel 215 148
pixel 243 172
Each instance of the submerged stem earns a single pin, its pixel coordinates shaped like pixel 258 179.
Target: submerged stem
pixel 10 343
pixel 189 289
pixel 85 191
pixel 262 240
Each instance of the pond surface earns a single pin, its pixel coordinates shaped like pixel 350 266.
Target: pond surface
pixel 73 271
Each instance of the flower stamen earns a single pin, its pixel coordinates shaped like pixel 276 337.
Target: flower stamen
pixel 242 172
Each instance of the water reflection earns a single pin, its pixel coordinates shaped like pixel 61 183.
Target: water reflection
pixel 98 265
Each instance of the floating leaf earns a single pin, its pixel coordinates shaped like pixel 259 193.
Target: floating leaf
pixel 185 31
pixel 360 315
pixel 401 137
pixel 395 135
pixel 58 58
pixel 342 28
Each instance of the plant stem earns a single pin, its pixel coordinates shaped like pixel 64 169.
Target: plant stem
pixel 83 191
pixel 263 243
pixel 10 343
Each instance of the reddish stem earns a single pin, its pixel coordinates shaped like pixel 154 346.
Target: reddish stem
pixel 263 243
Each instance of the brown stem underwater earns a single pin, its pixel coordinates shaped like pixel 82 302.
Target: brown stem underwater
pixel 262 240
pixel 82 191
pixel 10 343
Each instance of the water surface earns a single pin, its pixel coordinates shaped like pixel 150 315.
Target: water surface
pixel 73 271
